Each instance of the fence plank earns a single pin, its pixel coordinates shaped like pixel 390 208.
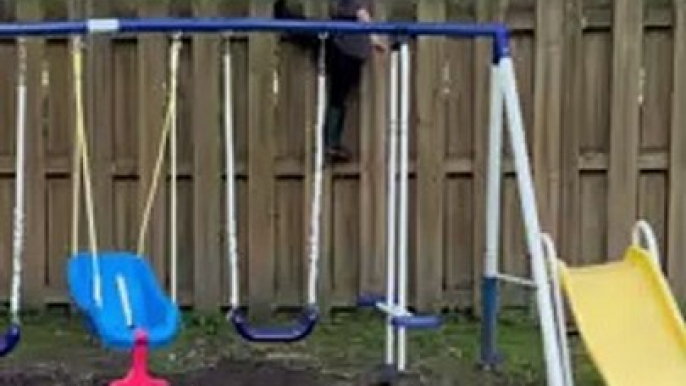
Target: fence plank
pixel 548 111
pixel 261 185
pixel 676 264
pixel 372 165
pixel 152 83
pixel 206 164
pixel 58 143
pixel 99 114
pixel 624 130
pixel 569 247
pixel 430 111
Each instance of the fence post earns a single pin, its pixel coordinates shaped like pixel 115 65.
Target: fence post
pixel 625 123
pixel 99 121
pixel 570 205
pixel 676 265
pixel 152 83
pixel 429 129
pixel 373 130
pixel 548 112
pixel 207 197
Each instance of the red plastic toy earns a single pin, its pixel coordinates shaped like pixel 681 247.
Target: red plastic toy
pixel 138 375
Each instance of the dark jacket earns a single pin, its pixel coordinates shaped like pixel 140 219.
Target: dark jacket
pixel 355 45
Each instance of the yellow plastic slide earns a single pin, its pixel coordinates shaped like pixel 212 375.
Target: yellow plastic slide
pixel 629 321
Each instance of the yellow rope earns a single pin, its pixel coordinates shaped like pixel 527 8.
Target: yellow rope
pixel 82 150
pixel 81 163
pixel 76 158
pixel 168 123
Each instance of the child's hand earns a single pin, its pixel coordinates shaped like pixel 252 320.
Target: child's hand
pixel 378 44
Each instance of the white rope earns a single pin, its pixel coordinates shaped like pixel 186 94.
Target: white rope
pixel 169 130
pixel 173 100
pixel 169 118
pixel 316 205
pixel 230 177
pixel 17 242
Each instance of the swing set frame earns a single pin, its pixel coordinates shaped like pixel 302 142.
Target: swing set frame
pixel 505 103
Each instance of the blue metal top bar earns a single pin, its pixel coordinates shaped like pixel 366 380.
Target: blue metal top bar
pixel 498 32
pixel 206 25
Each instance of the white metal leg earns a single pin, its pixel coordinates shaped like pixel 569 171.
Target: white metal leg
pixel 391 206
pixel 494 175
pixel 558 303
pixel 404 176
pixel 530 215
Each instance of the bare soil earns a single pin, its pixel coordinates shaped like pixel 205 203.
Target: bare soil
pixel 225 373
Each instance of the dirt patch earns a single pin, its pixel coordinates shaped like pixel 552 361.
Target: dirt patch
pixel 232 373
pixel 225 373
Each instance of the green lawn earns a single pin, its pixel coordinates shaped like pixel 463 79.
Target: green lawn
pixel 344 345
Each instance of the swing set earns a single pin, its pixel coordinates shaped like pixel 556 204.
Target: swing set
pixel 126 307
pixel 117 291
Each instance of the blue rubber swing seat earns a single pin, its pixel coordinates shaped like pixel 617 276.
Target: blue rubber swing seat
pixel 300 329
pixel 151 310
pixel 412 322
pixel 10 339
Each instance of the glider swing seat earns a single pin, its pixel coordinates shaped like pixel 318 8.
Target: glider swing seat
pixel 12 336
pixel 305 324
pixel 117 291
pixel 394 302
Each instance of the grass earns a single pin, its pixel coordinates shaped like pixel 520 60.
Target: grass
pixel 344 345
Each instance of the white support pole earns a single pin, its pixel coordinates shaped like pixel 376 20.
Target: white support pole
pixel 494 175
pixel 391 205
pixel 527 196
pixel 404 188
pixel 489 299
pixel 558 303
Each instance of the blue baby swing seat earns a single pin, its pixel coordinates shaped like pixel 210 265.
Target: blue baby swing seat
pixel 151 310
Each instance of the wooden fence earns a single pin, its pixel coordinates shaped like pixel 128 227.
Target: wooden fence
pixel 604 99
